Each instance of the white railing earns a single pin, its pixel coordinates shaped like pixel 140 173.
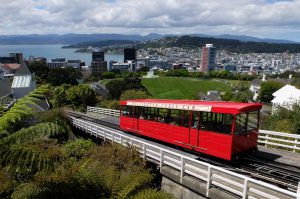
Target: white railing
pixel 240 185
pixel 284 141
pixel 104 111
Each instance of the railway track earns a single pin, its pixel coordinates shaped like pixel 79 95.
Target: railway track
pixel 284 176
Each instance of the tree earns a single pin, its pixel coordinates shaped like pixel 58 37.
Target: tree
pixel 58 76
pixel 115 88
pixel 81 96
pixel 41 71
pixel 134 94
pixel 108 75
pixel 267 89
pixel 59 96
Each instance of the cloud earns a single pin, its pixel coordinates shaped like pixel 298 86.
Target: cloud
pixel 257 17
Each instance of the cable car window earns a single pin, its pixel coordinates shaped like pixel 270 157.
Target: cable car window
pixel 253 118
pixel 241 123
pixel 195 120
pixel 142 111
pixel 163 115
pixel 126 111
pixel 176 117
pixel 148 113
pixel 186 119
pixel 216 122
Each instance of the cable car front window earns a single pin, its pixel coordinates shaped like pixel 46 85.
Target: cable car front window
pixel 246 122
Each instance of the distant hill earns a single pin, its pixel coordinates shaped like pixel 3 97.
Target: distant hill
pixel 103 43
pixel 69 39
pixel 224 44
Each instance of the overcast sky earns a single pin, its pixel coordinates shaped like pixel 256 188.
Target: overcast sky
pixel 262 18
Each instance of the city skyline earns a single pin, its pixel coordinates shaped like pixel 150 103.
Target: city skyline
pixel 276 19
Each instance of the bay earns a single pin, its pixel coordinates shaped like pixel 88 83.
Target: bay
pixel 53 51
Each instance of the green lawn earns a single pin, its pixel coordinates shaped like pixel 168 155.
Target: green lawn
pixel 181 88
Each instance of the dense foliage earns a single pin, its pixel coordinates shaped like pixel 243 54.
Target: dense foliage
pixel 78 96
pixel 283 120
pixel 46 160
pixel 267 89
pixel 41 71
pixel 129 82
pixel 58 76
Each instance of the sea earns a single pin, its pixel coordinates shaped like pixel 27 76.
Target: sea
pixel 53 51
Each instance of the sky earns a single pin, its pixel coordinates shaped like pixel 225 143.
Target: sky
pixel 278 19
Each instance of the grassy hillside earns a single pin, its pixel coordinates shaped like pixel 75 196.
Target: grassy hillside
pixel 181 88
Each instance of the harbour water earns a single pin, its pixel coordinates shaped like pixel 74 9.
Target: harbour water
pixel 53 51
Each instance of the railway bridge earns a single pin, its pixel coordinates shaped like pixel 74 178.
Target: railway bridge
pixel 187 176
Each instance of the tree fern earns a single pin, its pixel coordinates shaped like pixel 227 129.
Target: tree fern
pixel 21 109
pixel 26 190
pixel 34 132
pixel 133 182
pixel 22 159
pixel 151 194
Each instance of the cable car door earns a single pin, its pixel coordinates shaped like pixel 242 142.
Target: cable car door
pixel 135 118
pixel 194 129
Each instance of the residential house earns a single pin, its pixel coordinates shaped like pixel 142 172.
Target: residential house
pixel 256 84
pixel 23 82
pixel 286 97
pixel 9 69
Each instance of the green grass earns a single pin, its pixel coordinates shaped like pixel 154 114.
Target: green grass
pixel 181 88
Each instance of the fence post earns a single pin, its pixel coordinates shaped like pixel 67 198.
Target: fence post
pixel 267 136
pixel 298 191
pixel 161 159
pixel 144 151
pixel 295 145
pixel 208 181
pixel 245 189
pixel 182 169
pixel 112 138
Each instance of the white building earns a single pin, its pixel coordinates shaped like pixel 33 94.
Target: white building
pixel 23 82
pixel 286 97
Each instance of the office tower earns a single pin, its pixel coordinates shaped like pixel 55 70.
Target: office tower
pixel 208 58
pixel 98 64
pixel 98 56
pixel 129 54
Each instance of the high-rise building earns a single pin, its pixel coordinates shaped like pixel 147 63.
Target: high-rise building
pixel 129 54
pixel 98 67
pixel 208 58
pixel 98 56
pixel 98 64
pixel 12 58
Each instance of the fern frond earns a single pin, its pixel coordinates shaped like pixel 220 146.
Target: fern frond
pixel 34 132
pixel 131 183
pixel 25 159
pixel 26 190
pixel 151 194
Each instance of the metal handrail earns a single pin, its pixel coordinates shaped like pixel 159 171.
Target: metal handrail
pixel 284 141
pixel 104 111
pixel 212 175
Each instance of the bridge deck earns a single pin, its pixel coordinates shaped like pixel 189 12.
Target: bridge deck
pixel 267 153
pixel 279 156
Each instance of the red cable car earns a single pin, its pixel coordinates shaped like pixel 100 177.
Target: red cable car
pixel 220 129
